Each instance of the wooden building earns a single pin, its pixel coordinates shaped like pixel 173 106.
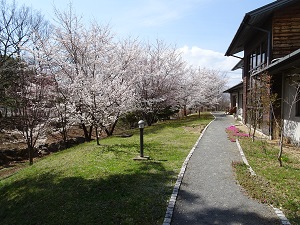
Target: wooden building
pixel 269 39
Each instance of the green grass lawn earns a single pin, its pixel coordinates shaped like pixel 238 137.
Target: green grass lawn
pixel 90 184
pixel 279 186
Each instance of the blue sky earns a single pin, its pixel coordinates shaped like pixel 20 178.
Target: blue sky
pixel 202 29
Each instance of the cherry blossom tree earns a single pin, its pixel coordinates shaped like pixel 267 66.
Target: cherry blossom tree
pixel 188 89
pixel 120 81
pixel 79 62
pixel 209 85
pixel 95 73
pixel 97 79
pixel 161 68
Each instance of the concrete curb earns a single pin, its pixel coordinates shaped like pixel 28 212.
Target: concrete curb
pixel 279 213
pixel 172 201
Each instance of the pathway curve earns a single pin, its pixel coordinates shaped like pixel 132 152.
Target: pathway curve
pixel 209 193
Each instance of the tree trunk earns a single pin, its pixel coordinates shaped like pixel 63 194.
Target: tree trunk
pixel 254 130
pixel 150 118
pixel 97 135
pixel 29 140
pixel 280 149
pixel 280 155
pixel 31 152
pixel 90 133
pixel 250 124
pixel 184 110
pixel 111 129
pixel 86 133
pixel 64 133
pixel 114 126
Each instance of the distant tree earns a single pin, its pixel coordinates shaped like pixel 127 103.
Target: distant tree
pixel 17 24
pixel 208 88
pixel 224 102
pixel 9 78
pixel 34 108
pixel 60 118
pixel 187 89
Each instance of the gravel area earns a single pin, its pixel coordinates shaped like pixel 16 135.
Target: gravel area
pixel 209 193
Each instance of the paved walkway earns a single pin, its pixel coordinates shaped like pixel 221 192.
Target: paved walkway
pixel 209 193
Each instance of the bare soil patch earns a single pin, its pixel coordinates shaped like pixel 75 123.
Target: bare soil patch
pixel 195 128
pixel 13 148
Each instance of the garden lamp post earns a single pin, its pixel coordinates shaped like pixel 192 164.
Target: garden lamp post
pixel 141 124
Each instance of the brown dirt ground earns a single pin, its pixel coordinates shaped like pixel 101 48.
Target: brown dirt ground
pixel 195 128
pixel 14 140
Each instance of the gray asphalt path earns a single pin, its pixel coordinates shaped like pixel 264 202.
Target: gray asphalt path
pixel 209 193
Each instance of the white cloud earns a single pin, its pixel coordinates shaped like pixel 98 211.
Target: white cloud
pixel 209 59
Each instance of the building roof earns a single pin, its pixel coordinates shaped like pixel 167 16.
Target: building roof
pixel 255 18
pixel 239 65
pixel 239 86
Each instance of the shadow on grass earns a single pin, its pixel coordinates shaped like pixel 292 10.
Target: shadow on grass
pixel 135 197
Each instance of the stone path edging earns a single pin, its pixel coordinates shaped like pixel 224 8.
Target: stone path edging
pixel 279 213
pixel 172 201
pixel 244 158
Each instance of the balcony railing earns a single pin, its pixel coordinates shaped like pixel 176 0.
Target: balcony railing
pixel 257 69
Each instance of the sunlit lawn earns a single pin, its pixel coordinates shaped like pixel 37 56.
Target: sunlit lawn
pixel 279 186
pixel 90 184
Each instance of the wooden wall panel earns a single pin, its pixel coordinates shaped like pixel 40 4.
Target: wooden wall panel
pixel 286 31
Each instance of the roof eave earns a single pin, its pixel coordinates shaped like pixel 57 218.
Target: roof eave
pixel 234 88
pixel 230 51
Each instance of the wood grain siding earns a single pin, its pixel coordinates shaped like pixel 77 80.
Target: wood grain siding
pixel 286 31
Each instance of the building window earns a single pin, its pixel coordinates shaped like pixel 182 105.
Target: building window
pixel 257 58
